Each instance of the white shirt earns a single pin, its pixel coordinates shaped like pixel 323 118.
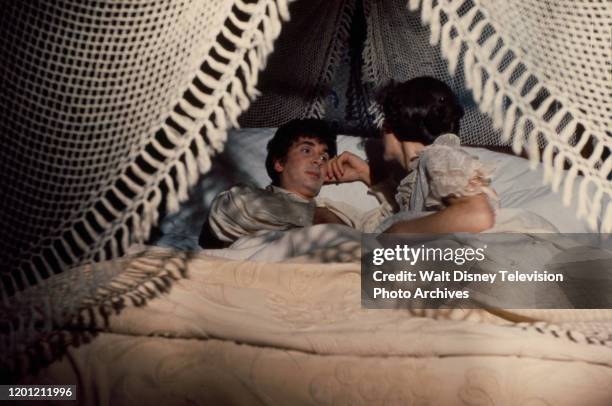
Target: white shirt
pixel 245 210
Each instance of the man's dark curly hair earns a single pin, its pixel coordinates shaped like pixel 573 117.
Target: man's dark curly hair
pixel 420 109
pixel 288 133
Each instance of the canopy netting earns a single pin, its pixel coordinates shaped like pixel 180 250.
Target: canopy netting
pixel 113 108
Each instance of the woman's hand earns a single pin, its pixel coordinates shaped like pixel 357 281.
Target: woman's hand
pixel 348 167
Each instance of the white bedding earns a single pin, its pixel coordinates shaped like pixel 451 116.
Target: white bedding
pixel 321 243
pixel 117 369
pixel 524 249
pixel 246 332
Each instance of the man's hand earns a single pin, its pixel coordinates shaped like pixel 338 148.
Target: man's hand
pixel 322 215
pixel 348 167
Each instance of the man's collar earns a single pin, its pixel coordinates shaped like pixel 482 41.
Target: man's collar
pixel 292 195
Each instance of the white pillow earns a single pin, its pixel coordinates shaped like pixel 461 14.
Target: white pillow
pixel 520 187
pixel 516 184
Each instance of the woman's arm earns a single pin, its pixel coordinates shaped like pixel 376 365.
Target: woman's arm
pixel 471 214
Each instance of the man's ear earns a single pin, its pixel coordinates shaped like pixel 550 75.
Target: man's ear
pixel 279 166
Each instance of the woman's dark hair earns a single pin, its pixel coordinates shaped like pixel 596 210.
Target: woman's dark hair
pixel 420 109
pixel 288 133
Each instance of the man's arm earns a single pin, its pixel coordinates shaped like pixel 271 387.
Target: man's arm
pixel 471 214
pixel 245 210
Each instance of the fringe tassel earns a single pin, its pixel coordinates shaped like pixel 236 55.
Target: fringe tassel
pixel 498 110
pixel 558 164
pixel 453 56
pixel 595 208
pixel 534 149
pixel 511 78
pixel 172 204
pixel 181 181
pixel 125 233
pixel 203 159
pixel 547 160
pixel 413 5
pixel 488 96
pixel 520 134
pixel 316 109
pixel 154 204
pixel 477 84
pixel 426 11
pixel 606 226
pixel 239 94
pixel 146 220
pixel 283 9
pixel 509 124
pixel 192 168
pixel 435 27
pixel 470 61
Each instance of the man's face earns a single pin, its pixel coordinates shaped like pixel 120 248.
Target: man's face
pixel 303 171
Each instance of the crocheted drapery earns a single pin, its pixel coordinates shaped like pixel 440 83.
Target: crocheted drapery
pixel 112 109
pixel 533 75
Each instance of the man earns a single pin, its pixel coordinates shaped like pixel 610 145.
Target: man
pixel 297 164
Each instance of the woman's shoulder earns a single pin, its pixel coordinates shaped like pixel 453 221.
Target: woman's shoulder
pixel 449 140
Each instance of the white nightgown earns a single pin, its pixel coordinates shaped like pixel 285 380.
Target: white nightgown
pixel 444 169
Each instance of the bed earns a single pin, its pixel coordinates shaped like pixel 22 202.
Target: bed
pixel 279 320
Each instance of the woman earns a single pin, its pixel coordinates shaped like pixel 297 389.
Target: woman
pixel 445 189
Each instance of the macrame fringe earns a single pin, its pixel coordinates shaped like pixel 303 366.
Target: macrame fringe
pixel 144 276
pixel 374 70
pixel 505 94
pixel 370 70
pixel 341 37
pixel 228 99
